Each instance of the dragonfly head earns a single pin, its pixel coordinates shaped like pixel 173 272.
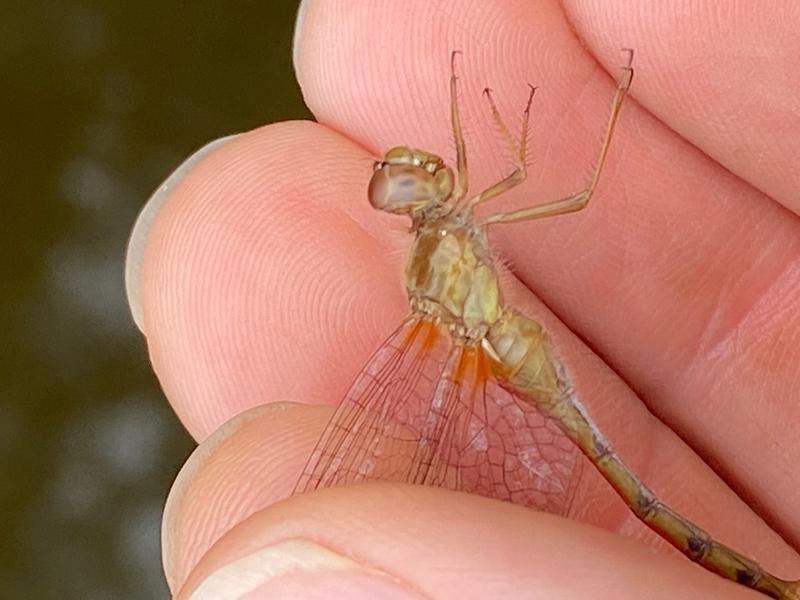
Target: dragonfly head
pixel 409 180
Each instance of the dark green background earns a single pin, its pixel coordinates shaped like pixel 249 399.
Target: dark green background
pixel 99 103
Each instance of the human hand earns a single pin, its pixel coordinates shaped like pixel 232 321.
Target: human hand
pixel 267 263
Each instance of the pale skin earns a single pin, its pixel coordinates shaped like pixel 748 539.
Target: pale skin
pixel 630 332
pixel 457 294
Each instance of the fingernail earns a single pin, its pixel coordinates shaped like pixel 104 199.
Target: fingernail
pixel 298 25
pixel 173 508
pixel 141 229
pixel 298 569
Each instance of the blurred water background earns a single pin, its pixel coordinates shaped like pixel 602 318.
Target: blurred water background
pixel 100 101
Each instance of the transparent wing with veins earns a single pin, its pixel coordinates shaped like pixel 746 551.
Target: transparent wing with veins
pixel 425 410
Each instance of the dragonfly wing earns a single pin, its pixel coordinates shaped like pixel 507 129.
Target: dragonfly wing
pixel 371 434
pixel 540 466
pixel 483 438
pixel 427 411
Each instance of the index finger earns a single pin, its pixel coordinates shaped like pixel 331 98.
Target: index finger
pixel 681 275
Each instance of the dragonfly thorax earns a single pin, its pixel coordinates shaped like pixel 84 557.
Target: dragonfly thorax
pixel 450 273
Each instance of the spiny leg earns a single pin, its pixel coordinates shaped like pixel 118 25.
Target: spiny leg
pixel 462 179
pixel 518 151
pixel 577 201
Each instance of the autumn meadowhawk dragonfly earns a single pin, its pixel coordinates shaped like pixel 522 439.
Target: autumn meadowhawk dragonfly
pixel 468 393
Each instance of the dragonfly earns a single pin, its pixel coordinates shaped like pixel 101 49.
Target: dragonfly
pixel 470 394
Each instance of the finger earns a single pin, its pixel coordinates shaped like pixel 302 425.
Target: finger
pixel 248 464
pixel 725 80
pixel 681 275
pixel 256 272
pixel 439 545
pixel 260 283
pixel 237 475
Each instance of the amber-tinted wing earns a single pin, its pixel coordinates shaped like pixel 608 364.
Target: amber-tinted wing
pixel 425 410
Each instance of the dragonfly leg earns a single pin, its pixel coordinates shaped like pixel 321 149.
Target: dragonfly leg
pixel 538 377
pixel 462 178
pixel 518 151
pixel 577 201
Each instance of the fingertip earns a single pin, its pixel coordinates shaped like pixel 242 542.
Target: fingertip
pixel 144 222
pixel 261 261
pixel 251 462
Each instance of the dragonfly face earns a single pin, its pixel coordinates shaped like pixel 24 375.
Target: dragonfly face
pixel 409 180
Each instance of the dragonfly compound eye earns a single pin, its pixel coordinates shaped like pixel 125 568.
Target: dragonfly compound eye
pixel 401 189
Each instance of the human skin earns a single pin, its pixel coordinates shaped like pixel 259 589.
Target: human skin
pixel 265 277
